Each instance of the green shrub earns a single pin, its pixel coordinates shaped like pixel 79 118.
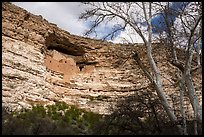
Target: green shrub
pixel 49 120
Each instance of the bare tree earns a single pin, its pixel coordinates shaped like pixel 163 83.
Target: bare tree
pixel 124 14
pixel 189 33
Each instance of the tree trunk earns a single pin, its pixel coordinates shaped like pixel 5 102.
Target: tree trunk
pixel 158 82
pixel 188 78
pixel 193 97
pixel 182 109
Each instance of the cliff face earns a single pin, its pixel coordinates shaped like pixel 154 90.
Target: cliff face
pixel 42 63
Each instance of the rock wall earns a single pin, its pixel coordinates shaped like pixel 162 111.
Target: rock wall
pixel 42 63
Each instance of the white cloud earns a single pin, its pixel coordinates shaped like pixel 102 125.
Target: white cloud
pixel 128 36
pixel 64 14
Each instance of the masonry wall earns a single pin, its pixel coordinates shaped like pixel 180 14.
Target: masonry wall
pixel 94 77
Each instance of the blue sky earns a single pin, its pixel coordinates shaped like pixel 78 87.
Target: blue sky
pixel 103 29
pixel 158 21
pixel 65 15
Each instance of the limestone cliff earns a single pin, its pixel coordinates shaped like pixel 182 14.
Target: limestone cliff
pixel 42 63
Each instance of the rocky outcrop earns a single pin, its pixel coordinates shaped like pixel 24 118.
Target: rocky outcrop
pixel 42 63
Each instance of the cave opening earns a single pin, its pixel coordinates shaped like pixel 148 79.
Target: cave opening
pixel 82 64
pixel 63 45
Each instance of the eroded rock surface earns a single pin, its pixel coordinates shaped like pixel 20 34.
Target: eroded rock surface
pixel 42 63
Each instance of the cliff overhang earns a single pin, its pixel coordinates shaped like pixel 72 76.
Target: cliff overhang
pixel 62 44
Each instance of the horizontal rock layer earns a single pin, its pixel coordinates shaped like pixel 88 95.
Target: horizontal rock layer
pixel 42 63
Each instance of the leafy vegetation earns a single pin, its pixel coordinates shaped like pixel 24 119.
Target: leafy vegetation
pixel 139 114
pixel 50 120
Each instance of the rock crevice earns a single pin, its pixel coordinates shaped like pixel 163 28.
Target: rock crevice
pixel 42 63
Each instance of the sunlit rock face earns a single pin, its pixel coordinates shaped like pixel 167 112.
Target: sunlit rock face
pixel 42 64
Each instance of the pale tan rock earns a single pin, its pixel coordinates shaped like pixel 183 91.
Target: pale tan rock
pixel 29 78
